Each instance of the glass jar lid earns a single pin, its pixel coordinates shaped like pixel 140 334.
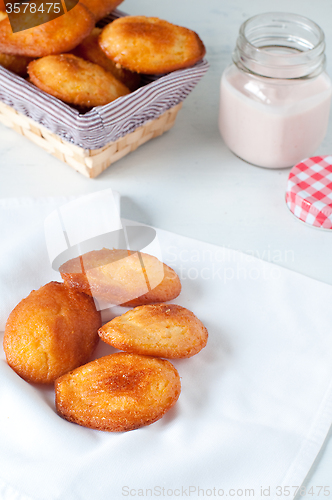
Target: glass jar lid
pixel 280 45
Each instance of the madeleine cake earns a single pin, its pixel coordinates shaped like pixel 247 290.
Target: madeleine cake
pixel 50 332
pixel 150 45
pixel 118 392
pixel 165 330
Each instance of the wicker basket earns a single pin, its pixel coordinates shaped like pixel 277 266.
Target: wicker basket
pixel 88 162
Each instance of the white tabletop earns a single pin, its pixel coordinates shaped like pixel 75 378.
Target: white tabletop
pixel 187 181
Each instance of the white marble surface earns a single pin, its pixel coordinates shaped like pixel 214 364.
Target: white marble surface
pixel 187 181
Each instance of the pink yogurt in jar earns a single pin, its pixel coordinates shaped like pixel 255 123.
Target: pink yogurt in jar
pixel 275 97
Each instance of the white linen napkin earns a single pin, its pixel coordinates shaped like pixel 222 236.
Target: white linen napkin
pixel 255 406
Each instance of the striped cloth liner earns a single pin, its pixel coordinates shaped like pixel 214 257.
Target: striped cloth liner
pixel 102 124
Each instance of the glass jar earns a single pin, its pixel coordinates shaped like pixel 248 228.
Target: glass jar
pixel 275 97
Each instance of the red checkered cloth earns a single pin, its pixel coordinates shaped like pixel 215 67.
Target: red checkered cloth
pixel 309 191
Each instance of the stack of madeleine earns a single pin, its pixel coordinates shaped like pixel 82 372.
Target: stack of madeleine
pixel 72 59
pixel 51 335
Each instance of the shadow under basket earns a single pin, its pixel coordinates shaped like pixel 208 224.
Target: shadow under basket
pixel 89 162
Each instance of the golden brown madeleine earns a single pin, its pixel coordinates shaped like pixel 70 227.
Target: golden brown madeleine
pixel 3 15
pixel 16 64
pixel 100 8
pixel 59 35
pixel 51 332
pixel 75 81
pixel 90 50
pixel 165 330
pixel 119 392
pixel 117 277
pixel 150 45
